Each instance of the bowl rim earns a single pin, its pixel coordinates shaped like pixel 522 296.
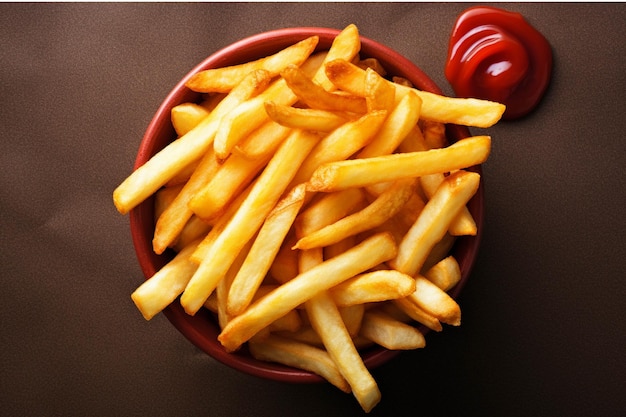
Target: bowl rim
pixel 196 328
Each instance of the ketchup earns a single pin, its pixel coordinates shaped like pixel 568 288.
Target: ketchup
pixel 496 55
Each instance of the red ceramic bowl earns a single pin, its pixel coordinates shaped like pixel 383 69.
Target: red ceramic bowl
pixel 202 329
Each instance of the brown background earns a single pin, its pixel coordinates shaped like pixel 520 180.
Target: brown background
pixel 543 325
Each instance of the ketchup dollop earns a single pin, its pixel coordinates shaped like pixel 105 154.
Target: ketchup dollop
pixel 497 55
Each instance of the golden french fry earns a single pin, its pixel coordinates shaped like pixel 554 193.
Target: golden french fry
pixel 445 274
pixel 262 142
pixel 217 191
pixel 408 307
pixel 223 287
pixel 225 78
pixel 328 209
pixel 463 224
pixel 285 264
pixel 265 193
pixel 333 176
pixel 463 111
pixel 380 94
pixel 434 221
pixel 345 46
pixel 392 334
pixel 299 355
pixel 378 212
pixel 373 287
pixel 352 317
pixel 327 322
pixel 435 301
pixel 176 156
pixel 341 143
pixel 165 285
pixel 305 118
pixel 186 116
pixel 264 249
pixel 164 197
pixel 439 251
pixel 172 221
pixel 399 123
pixel 251 114
pixel 288 296
pixel 195 229
pixel 316 97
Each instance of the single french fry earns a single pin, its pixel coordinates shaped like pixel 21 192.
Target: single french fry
pixel 390 333
pixel 378 212
pixel 223 287
pixel 341 143
pixel 352 317
pixel 333 176
pixel 434 221
pixel 439 251
pixel 285 264
pixel 195 229
pixel 464 223
pixel 435 301
pixel 186 116
pixel 402 119
pixel 165 285
pixel 164 197
pixel 327 322
pixel 300 355
pixel 416 313
pixel 263 141
pixel 372 63
pixel 218 226
pixel 265 193
pixel 380 94
pixel 445 274
pixel 372 287
pixel 345 46
pixel 224 79
pixel 463 111
pixel 305 118
pixel 172 221
pixel 176 156
pixel 217 191
pixel 264 249
pixel 316 97
pixel 328 209
pixel 288 296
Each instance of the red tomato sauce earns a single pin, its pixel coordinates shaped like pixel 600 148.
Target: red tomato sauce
pixel 497 55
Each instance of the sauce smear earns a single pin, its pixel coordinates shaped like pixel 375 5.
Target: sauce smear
pixel 497 55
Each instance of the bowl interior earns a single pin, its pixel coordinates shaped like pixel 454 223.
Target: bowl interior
pixel 202 329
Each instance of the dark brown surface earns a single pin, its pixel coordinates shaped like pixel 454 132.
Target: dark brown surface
pixel 542 330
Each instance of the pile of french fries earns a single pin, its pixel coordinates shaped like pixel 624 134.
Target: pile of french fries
pixel 312 201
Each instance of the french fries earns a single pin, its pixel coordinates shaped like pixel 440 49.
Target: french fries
pixel 312 200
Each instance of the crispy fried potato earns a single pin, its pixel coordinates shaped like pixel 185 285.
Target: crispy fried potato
pixel 378 212
pixel 434 221
pixel 172 159
pixel 225 79
pixel 305 118
pixel 186 116
pixel 333 176
pixel 445 274
pixel 463 111
pixel 327 322
pixel 264 249
pixel 372 287
pixel 265 193
pixel 288 296
pixel 390 333
pixel 299 355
